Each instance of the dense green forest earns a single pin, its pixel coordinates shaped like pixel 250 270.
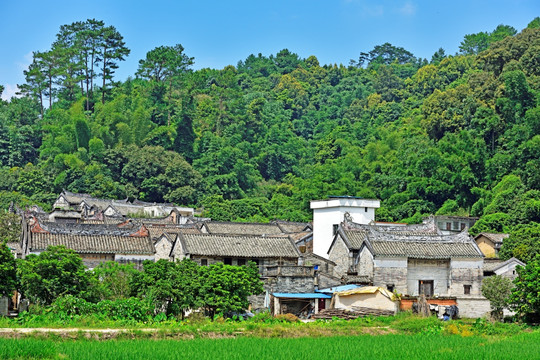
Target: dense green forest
pixel 456 134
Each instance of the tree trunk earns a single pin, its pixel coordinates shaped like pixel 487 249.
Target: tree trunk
pixel 104 68
pixel 50 88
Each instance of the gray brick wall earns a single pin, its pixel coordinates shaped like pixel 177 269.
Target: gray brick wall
pixel 340 255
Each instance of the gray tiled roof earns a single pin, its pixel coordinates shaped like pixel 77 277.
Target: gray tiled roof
pixel 238 246
pixel 90 229
pixel 495 238
pixel 100 244
pixel 157 231
pixel 427 227
pixel 492 264
pixel 232 228
pixel 292 227
pixel 423 246
pixel 425 249
pixel 355 238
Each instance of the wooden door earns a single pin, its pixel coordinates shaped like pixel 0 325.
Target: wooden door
pixel 425 287
pixel 322 304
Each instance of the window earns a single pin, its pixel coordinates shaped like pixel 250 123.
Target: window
pixel 335 227
pixel 425 287
pixel 204 262
pixel 227 261
pixel 390 287
pixel 463 226
pixel 467 289
pixel 448 226
pixel 241 262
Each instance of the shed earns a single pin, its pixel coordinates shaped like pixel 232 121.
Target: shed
pixel 372 297
pixel 299 304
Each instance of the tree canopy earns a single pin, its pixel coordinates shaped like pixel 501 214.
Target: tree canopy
pixel 259 140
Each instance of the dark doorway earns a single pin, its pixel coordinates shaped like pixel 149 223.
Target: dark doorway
pixel 425 287
pixel 322 304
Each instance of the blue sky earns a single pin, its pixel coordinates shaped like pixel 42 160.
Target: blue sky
pixel 220 33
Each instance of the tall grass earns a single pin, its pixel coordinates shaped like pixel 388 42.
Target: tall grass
pixel 523 346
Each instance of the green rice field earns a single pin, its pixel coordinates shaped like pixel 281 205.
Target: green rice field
pixel 395 346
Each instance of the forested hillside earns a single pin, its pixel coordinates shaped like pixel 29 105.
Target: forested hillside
pixel 455 134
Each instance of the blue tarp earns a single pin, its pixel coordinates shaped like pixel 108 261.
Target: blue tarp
pixel 339 288
pixel 302 295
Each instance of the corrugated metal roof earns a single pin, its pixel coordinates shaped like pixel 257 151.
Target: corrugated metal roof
pixel 301 296
pixel 339 288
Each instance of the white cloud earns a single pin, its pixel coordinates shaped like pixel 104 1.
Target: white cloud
pixel 367 8
pixel 376 10
pixel 408 9
pixel 9 91
pixel 26 61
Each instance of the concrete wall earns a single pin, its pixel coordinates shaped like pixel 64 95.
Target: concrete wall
pixel 340 255
pixel 436 270
pixel 372 301
pixel 473 307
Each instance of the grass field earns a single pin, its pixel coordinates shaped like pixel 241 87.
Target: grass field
pixel 397 346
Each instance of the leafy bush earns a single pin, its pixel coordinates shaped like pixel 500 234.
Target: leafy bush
pixel 131 309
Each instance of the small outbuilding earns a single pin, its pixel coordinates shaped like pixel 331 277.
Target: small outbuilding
pixel 371 297
pixel 299 304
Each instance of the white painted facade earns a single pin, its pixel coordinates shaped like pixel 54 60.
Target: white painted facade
pixel 327 213
pixel 128 257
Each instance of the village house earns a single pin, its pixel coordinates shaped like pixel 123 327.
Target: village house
pixel 206 249
pixel 412 260
pixel 124 242
pixel 91 207
pixel 493 266
pixel 454 224
pixel 345 245
pixel 328 214
pixel 490 243
pixel 350 236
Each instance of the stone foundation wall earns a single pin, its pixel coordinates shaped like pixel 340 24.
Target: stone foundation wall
pixel 473 307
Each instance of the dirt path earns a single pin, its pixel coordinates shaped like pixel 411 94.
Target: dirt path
pixel 67 330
